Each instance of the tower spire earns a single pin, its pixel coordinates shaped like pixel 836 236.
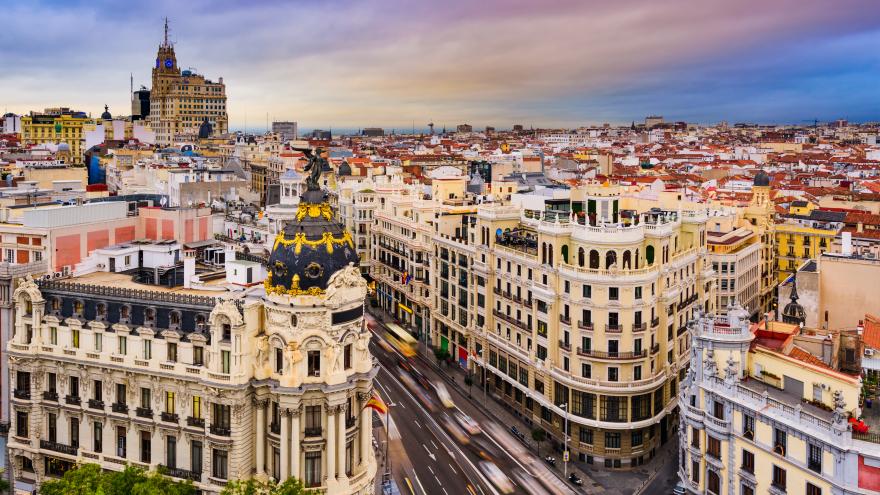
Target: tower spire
pixel 166 30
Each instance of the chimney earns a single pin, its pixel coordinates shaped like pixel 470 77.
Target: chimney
pixel 847 243
pixel 189 267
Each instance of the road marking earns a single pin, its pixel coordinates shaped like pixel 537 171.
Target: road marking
pixel 413 492
pixel 419 482
pixel 435 445
pixel 417 423
pixel 429 469
pixel 453 469
pixel 471 489
pixel 432 456
pixel 437 480
pixel 444 491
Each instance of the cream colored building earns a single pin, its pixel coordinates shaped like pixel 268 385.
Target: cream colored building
pixel 180 101
pixel 762 414
pixel 581 313
pixel 735 254
pixel 210 385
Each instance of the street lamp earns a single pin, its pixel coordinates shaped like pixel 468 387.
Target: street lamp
pixel 565 453
pixel 485 375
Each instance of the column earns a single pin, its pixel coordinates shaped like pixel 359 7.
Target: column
pixel 260 441
pixel 331 443
pixel 340 442
pixel 366 428
pixel 284 444
pixel 295 444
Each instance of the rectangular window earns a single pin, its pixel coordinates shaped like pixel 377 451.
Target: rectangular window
pixel 21 424
pixel 813 489
pixel 586 436
pixel 52 427
pixel 172 352
pixel 97 390
pixel 779 478
pixel 313 469
pixel 612 440
pixel 713 447
pixel 636 438
pixel 814 458
pixel 145 398
pixel 313 418
pixel 220 461
pixel 224 361
pixel 588 291
pixel 120 441
pixel 346 357
pixel 613 293
pixel 120 393
pixel 122 347
pixel 197 407
pixel 314 362
pixel 74 432
pixel 586 370
pixel 74 339
pixel 638 293
pixel 195 456
pixel 169 402
pixel 747 490
pixel 99 342
pixel 146 446
pixel 198 355
pixel 171 452
pixel 695 472
pixel 97 437
pixel 780 441
pixel 74 386
pixel 748 426
pixel 748 462
pixel 221 416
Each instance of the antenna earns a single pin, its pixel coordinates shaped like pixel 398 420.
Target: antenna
pixel 166 30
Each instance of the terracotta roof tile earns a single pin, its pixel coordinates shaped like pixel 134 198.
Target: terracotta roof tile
pixel 871 334
pixel 802 355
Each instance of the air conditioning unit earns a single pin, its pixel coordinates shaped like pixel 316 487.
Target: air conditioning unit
pixel 869 352
pixel 316 373
pixel 58 275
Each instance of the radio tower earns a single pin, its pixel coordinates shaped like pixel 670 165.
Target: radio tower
pixel 431 126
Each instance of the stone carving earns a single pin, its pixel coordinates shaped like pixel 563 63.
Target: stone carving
pixel 277 318
pixel 839 413
pixel 362 347
pixel 730 372
pixel 347 278
pixel 294 356
pixel 333 355
pixel 709 365
pixel 262 352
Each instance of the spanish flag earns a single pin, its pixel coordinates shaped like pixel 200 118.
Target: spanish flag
pixel 375 403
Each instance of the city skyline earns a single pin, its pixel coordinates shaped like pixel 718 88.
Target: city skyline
pixel 349 65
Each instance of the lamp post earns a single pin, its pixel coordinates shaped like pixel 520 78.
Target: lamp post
pixel 565 454
pixel 485 375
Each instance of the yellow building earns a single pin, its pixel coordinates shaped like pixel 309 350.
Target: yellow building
pixel 180 101
pixel 57 126
pixel 760 217
pixel 761 414
pixel 805 233
pixel 577 312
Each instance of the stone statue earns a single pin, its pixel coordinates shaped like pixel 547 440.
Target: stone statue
pixel 730 372
pixel 314 167
pixel 294 356
pixel 262 352
pixel 361 345
pixel 334 357
pixel 709 365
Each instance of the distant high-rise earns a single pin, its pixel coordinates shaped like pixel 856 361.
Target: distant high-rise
pixel 287 130
pixel 373 132
pixel 181 100
pixel 653 121
pixel 464 128
pixel 140 104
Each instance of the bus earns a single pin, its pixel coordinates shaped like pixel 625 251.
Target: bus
pixel 403 340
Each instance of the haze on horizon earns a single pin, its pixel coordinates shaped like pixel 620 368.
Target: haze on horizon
pixel 395 64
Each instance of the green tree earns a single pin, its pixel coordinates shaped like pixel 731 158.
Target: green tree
pixel 4 483
pixel 291 486
pixel 469 381
pixel 539 435
pixel 90 479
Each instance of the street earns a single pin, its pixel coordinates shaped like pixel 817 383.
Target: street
pixel 424 457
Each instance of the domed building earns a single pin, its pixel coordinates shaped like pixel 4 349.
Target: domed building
pixel 106 114
pixel 267 381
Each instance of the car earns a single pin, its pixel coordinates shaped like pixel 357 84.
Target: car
pixel 468 423
pixel 455 431
pixel 498 478
pixel 443 395
pixel 529 484
pixel 679 489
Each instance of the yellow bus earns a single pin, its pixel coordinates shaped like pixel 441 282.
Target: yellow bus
pixel 403 340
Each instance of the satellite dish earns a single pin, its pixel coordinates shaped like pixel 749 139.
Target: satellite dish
pixel 163 201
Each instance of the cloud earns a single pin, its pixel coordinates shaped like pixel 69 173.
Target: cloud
pixel 393 62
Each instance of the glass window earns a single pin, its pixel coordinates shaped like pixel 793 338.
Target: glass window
pixel 220 461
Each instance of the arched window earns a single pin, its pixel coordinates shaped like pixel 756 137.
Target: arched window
pixel 56 304
pixel 581 257
pixel 174 319
pixel 649 255
pixel 150 316
pixel 637 258
pixel 594 258
pixel 565 254
pixel 550 255
pixel 78 307
pixel 124 313
pixel 100 311
pixel 610 259
pixel 543 253
pixel 627 261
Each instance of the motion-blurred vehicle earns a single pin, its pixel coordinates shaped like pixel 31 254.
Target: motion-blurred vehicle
pixel 403 340
pixel 421 379
pixel 529 484
pixel 679 489
pixel 484 449
pixel 443 394
pixel 517 433
pixel 498 478
pixel 385 346
pixel 468 423
pixel 455 431
pixel 575 479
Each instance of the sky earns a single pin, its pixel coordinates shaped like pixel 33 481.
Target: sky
pixel 402 63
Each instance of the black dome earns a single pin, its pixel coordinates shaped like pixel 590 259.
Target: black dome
pixel 344 169
pixel 106 115
pixel 762 179
pixel 793 312
pixel 309 250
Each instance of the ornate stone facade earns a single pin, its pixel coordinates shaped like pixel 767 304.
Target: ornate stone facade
pixel 202 388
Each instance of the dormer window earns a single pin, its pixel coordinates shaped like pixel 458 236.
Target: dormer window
pixel 174 319
pixel 150 316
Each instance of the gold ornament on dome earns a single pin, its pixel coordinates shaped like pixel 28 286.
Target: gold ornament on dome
pixel 294 288
pixel 314 211
pixel 300 239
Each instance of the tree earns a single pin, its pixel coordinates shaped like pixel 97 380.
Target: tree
pixel 468 380
pixel 4 483
pixel 291 486
pixel 90 479
pixel 441 355
pixel 538 435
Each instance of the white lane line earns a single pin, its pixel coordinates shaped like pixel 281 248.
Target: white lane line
pixel 435 445
pixel 444 491
pixel 453 469
pixel 420 482
pixel 417 423
pixel 437 480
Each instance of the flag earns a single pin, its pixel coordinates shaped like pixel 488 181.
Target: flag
pixel 403 277
pixel 375 403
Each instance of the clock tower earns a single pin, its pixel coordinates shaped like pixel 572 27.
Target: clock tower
pixel 165 71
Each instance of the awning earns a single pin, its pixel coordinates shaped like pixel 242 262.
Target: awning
pixel 199 244
pixel 401 306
